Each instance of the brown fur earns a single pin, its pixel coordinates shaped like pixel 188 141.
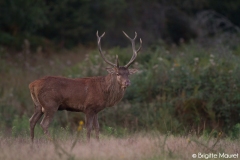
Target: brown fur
pixel 88 95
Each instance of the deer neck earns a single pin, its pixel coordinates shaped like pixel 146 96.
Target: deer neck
pixel 113 89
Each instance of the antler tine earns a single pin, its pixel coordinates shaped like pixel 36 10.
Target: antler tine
pixel 135 52
pixel 117 62
pixel 140 45
pixel 100 49
pixel 129 37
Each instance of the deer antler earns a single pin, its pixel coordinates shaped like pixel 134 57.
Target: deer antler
pixel 135 52
pixel 100 51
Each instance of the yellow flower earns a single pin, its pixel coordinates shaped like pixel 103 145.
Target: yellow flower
pixel 81 123
pixel 176 64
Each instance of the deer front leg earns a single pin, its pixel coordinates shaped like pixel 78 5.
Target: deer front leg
pixel 96 126
pixel 89 123
pixel 48 116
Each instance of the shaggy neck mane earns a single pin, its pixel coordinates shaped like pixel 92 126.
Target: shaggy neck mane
pixel 114 91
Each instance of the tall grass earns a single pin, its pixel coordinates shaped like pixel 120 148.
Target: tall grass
pixel 152 146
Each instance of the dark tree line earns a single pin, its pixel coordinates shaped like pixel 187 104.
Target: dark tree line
pixel 71 22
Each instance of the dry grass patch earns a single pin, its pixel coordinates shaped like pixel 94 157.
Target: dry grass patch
pixel 131 147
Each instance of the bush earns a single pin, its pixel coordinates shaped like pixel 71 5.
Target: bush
pixel 196 87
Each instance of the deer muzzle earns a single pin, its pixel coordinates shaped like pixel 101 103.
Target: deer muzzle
pixel 126 84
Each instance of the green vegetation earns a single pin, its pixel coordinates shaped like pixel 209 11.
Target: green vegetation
pixel 190 88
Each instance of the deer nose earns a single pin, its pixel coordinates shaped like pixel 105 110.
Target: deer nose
pixel 127 83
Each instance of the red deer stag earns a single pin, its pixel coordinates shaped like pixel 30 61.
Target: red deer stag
pixel 88 95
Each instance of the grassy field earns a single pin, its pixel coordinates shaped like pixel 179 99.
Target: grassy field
pixel 188 94
pixel 138 146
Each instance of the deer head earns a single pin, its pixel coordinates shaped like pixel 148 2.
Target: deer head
pixel 121 72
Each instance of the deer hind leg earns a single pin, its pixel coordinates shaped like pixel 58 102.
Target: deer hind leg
pixel 48 107
pixel 89 124
pixel 36 116
pixel 96 125
pixel 34 119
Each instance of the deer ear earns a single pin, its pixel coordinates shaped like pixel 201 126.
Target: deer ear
pixel 111 70
pixel 132 71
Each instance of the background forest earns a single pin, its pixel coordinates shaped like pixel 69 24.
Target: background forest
pixel 188 79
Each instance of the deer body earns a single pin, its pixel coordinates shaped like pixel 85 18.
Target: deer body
pixel 88 95
pixel 80 95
